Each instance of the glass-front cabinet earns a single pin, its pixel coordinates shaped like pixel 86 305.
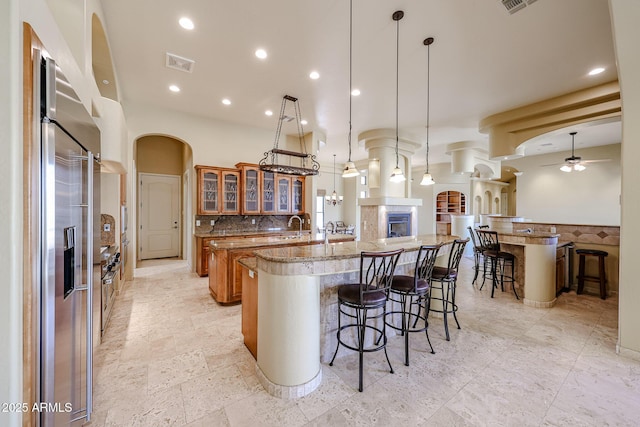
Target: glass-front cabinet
pixel 284 194
pixel 297 194
pixel 208 190
pixel 268 192
pixel 250 188
pixel 230 192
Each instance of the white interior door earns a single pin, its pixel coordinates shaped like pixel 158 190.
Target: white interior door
pixel 159 216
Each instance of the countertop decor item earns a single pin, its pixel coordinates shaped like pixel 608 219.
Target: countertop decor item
pixel 396 174
pixel 308 165
pixel 427 179
pixel 350 168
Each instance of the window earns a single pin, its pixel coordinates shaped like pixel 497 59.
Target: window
pixel 320 211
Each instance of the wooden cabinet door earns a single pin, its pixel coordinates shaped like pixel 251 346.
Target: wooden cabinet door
pixel 297 194
pixel 250 188
pixel 230 192
pixel 268 192
pixel 284 194
pixel 209 183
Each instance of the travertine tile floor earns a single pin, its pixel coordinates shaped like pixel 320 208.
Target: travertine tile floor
pixel 172 356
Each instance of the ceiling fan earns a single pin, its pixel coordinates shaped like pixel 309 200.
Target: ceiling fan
pixel 573 162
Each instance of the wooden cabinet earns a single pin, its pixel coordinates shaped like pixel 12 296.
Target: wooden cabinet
pixel 283 193
pixel 250 309
pixel 290 194
pixel 450 203
pixel 209 183
pixel 268 193
pixel 202 255
pixel 225 278
pixel 218 190
pixel 230 192
pixel 297 194
pixel 250 189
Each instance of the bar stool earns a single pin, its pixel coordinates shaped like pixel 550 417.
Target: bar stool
pixel 601 278
pixel 477 254
pixel 444 279
pixel 500 260
pixel 356 300
pixel 411 294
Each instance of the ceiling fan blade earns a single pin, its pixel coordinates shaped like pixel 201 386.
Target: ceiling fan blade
pixel 553 164
pixel 596 161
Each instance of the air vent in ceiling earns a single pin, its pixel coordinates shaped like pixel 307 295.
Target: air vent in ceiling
pixel 179 63
pixel 513 6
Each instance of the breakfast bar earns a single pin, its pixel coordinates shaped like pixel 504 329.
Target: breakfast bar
pixel 297 313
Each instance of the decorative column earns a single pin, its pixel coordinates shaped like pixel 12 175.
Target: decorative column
pixel 381 146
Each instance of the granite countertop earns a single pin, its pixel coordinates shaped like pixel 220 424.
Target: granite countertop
pixel 523 237
pixel 344 250
pixel 249 262
pixel 291 239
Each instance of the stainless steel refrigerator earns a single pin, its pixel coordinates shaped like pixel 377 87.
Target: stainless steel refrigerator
pixel 69 261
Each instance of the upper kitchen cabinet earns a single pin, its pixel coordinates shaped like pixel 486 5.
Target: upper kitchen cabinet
pixel 209 183
pixel 268 192
pixel 284 193
pixel 230 192
pixel 250 193
pixel 297 194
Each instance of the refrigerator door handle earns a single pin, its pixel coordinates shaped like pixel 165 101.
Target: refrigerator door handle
pixel 90 219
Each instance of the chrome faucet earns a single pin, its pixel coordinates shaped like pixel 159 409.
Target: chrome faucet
pixel 300 220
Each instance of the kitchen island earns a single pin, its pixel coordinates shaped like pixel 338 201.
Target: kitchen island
pixel 225 274
pixel 297 305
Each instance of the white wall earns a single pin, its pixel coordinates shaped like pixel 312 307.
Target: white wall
pixel 547 194
pixel 625 15
pixel 11 210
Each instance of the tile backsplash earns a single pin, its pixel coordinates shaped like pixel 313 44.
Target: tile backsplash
pixel 244 223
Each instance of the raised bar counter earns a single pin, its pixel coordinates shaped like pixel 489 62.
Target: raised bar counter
pixel 297 306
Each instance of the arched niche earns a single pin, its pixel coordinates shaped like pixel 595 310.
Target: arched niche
pixel 101 61
pixel 487 202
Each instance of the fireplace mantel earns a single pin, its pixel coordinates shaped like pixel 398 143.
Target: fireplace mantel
pixel 389 201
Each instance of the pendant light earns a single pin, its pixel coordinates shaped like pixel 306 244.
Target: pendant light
pixel 396 175
pixel 426 178
pixel 334 199
pixel 350 168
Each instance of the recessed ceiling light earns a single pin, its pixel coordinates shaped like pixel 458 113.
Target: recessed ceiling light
pixel 596 71
pixel 355 92
pixel 314 75
pixel 226 101
pixel 303 122
pixel 174 88
pixel 186 23
pixel 268 113
pixel 261 53
pixel 105 82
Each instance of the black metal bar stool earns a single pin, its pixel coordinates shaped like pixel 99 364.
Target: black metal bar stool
pixel 410 293
pixel 444 279
pixel 356 300
pixel 477 254
pixel 499 260
pixel 601 277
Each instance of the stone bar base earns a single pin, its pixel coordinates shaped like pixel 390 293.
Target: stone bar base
pixel 289 392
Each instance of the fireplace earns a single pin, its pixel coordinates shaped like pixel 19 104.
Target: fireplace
pixel 398 224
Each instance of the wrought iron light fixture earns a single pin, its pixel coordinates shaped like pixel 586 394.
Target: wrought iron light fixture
pixel 426 178
pixel 334 199
pixel 396 175
pixel 350 168
pixel 307 163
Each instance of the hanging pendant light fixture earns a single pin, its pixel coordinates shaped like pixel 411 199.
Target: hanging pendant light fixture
pixel 350 168
pixel 426 178
pixel 334 199
pixel 396 175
